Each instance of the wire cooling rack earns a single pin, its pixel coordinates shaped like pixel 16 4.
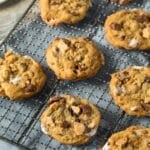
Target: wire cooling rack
pixel 19 121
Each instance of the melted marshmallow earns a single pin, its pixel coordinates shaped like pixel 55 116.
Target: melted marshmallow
pixel 119 90
pixel 115 90
pixel 27 57
pixel 105 147
pixel 133 108
pixel 15 80
pixel 137 67
pixel 92 132
pixel 43 129
pixel 133 43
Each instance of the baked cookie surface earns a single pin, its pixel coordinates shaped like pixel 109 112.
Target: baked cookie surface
pixel 129 29
pixel 20 76
pixel 130 89
pixel 70 120
pixel 74 58
pixel 55 12
pixel 133 138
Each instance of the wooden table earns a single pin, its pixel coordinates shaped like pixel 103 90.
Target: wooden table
pixel 10 14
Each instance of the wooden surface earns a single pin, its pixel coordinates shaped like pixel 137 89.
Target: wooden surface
pixel 10 13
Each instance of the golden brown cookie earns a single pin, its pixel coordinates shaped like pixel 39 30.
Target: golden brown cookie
pixel 70 120
pixel 74 58
pixel 20 76
pixel 55 12
pixel 129 29
pixel 133 138
pixel 130 89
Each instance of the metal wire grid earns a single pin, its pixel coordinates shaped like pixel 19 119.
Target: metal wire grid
pixel 19 121
pixel 15 117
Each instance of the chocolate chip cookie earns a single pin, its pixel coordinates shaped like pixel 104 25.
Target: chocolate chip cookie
pixel 130 89
pixel 133 138
pixel 74 58
pixel 20 76
pixel 129 29
pixel 70 120
pixel 55 12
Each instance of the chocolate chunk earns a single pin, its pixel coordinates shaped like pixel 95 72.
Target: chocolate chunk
pixel 146 107
pixel 116 26
pixel 56 99
pixel 77 120
pixel 73 47
pixel 123 37
pixel 71 111
pixel 75 71
pixel 74 13
pixel 76 104
pixel 126 73
pixel 80 67
pixel 124 77
pixel 87 130
pixel 77 67
pixel 67 42
pixel 65 124
pixel 57 49
pixel 30 88
pixel 142 18
pixel 86 109
pixel 79 5
pixel 147 79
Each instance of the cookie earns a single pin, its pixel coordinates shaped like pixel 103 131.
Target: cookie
pixel 55 12
pixel 74 58
pixel 129 29
pixel 121 2
pixel 70 120
pixel 133 138
pixel 130 89
pixel 20 76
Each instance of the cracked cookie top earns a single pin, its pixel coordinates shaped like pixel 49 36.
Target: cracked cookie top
pixel 133 138
pixel 129 29
pixel 130 89
pixel 55 12
pixel 20 76
pixel 70 120
pixel 74 58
